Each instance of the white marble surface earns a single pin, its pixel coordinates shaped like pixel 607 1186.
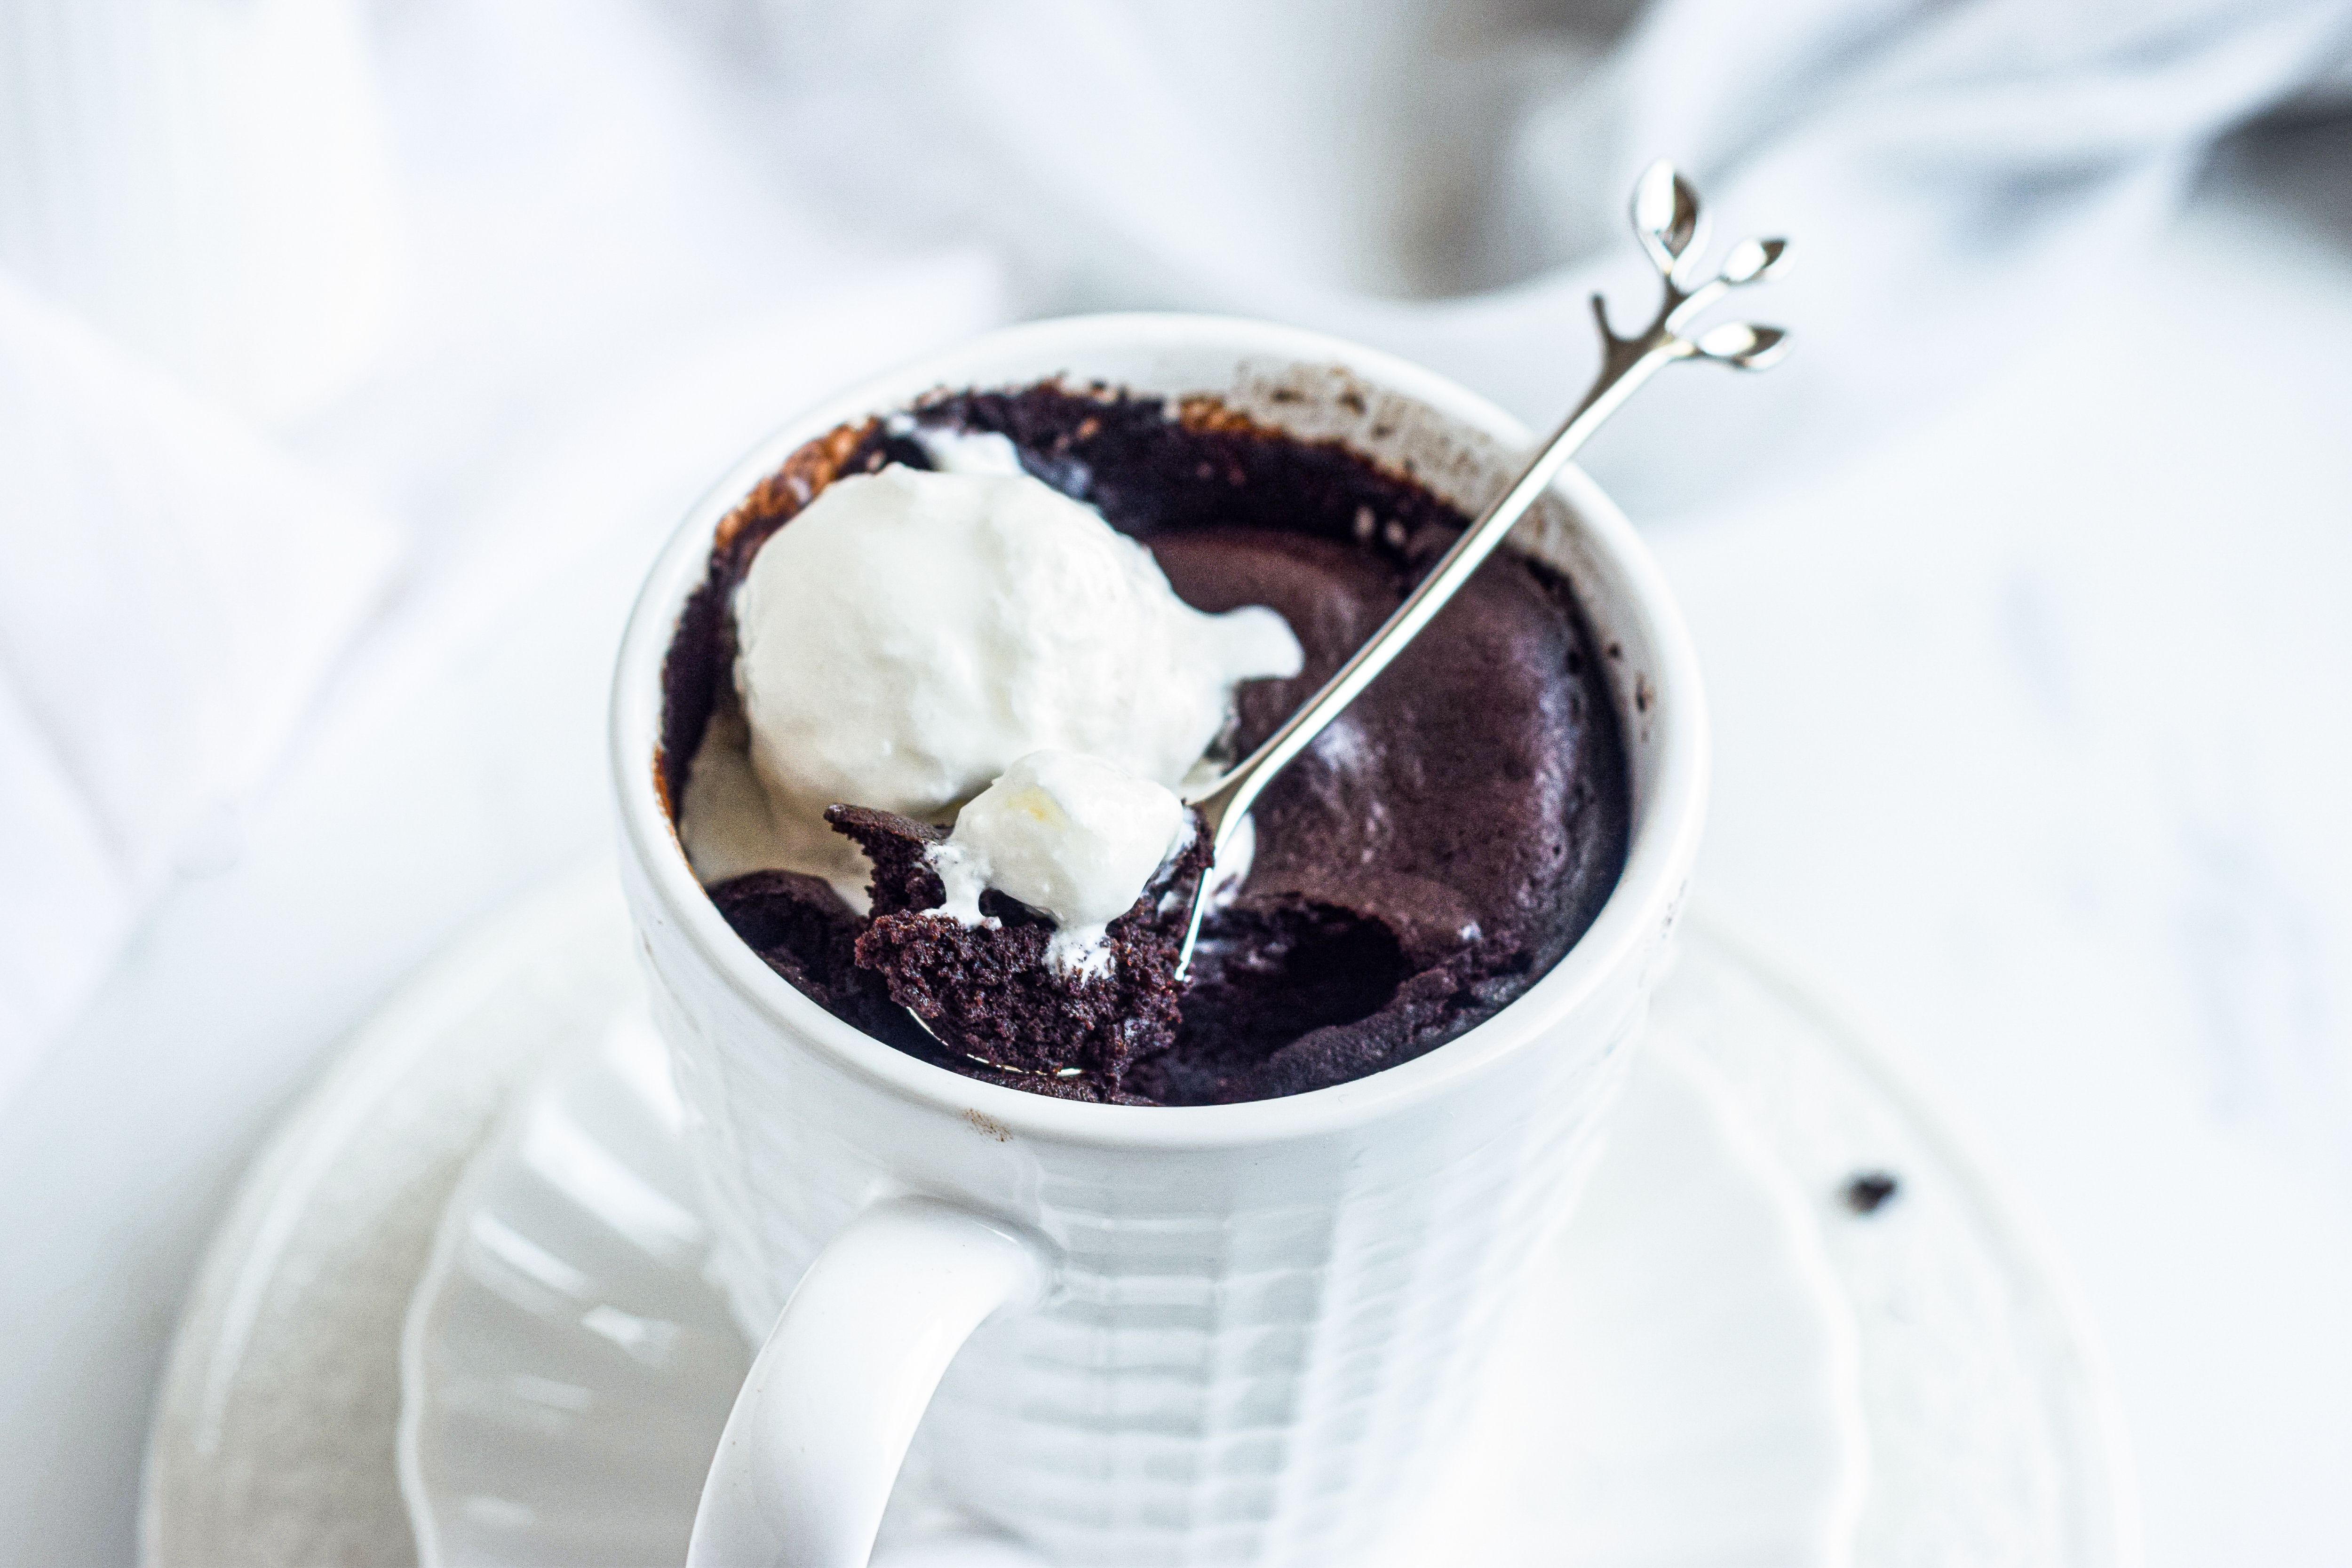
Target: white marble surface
pixel 2034 741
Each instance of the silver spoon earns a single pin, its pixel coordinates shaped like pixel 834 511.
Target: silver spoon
pixel 1667 221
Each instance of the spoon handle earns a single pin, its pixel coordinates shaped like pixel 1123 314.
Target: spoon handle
pixel 1666 218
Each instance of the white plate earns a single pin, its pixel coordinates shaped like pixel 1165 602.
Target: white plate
pixel 1990 1431
pixel 1680 1387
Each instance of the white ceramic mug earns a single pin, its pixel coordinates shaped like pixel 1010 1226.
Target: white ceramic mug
pixel 1168 1336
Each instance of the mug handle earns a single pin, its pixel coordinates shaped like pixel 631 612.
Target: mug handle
pixel 815 1442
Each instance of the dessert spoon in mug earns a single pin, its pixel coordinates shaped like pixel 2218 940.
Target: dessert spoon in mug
pixel 1669 223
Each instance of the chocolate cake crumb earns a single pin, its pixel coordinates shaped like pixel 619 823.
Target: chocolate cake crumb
pixel 988 991
pixel 801 928
pixel 1869 1191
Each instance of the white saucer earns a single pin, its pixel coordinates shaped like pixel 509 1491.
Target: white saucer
pixel 1988 1432
pixel 1681 1387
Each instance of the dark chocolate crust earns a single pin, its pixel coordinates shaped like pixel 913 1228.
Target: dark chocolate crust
pixel 1436 851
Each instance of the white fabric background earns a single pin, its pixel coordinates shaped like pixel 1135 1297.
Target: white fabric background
pixel 2016 585
pixel 1448 180
pixel 174 591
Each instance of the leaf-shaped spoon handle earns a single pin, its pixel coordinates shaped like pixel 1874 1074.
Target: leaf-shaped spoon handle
pixel 1672 228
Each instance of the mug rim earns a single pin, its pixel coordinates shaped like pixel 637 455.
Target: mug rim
pixel 1664 835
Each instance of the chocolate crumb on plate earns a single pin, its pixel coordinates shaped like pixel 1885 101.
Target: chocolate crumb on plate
pixel 1870 1191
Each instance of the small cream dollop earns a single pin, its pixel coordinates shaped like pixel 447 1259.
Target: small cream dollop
pixel 1067 835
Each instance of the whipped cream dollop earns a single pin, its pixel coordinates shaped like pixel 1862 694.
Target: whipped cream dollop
pixel 911 635
pixel 1070 835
